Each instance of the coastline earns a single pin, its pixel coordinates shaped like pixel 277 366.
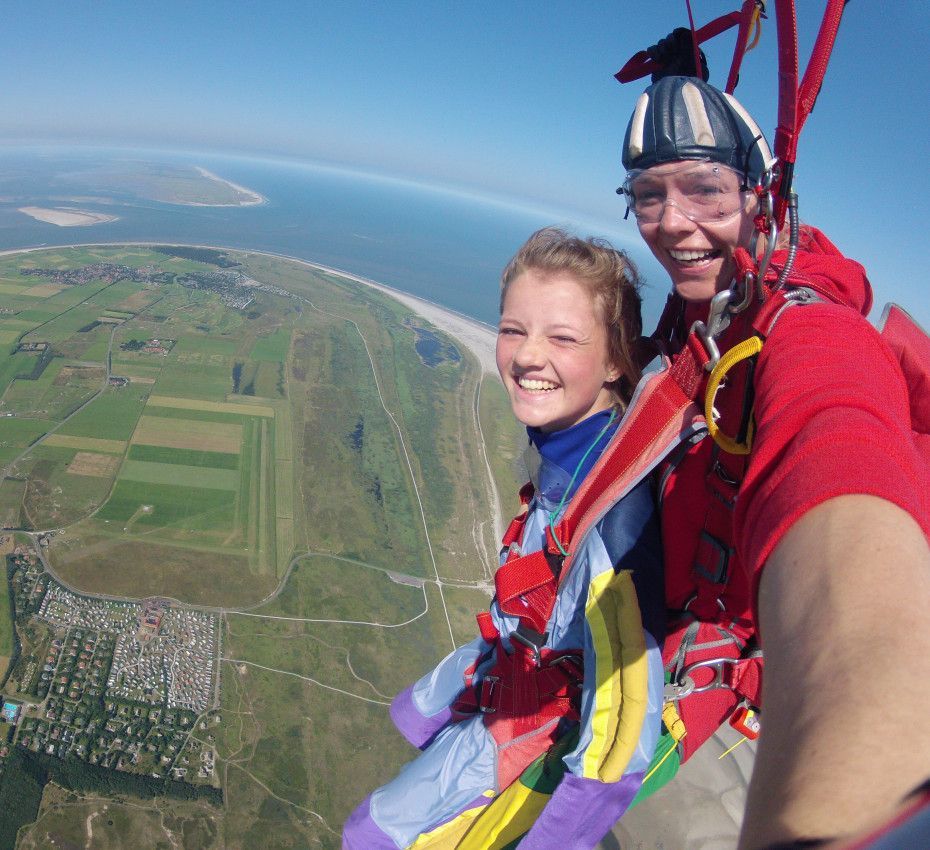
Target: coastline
pixel 479 338
pixel 251 199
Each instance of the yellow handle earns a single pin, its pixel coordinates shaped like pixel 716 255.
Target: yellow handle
pixel 746 349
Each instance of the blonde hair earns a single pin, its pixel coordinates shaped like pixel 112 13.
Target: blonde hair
pixel 610 278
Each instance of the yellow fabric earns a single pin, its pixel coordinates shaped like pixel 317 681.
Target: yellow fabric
pixel 743 351
pixel 673 721
pixel 448 835
pixel 621 672
pixel 511 815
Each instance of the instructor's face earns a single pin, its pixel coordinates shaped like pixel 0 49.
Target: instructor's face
pixel 698 255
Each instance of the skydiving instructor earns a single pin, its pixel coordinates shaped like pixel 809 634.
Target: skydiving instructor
pixel 813 545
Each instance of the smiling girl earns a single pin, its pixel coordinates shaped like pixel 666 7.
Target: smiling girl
pixel 570 320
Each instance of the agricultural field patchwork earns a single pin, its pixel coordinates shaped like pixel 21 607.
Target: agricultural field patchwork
pixel 302 455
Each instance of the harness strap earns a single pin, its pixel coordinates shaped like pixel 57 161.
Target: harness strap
pixel 514 531
pixel 525 688
pixel 526 587
pixel 664 410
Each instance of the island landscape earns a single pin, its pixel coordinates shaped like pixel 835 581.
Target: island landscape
pixel 246 497
pixel 241 506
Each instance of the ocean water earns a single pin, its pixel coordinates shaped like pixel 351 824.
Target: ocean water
pixel 446 247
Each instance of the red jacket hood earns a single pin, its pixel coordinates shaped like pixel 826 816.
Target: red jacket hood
pixel 820 265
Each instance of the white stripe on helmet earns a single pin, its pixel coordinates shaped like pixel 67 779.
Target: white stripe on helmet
pixel 637 125
pixel 762 144
pixel 697 116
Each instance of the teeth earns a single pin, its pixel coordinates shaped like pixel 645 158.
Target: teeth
pixel 530 384
pixel 689 256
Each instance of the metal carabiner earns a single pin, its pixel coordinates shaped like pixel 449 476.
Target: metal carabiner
pixel 486 696
pixel 715 664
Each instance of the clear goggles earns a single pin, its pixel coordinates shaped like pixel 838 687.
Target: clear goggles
pixel 702 191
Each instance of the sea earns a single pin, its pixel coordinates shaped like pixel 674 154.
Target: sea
pixel 439 244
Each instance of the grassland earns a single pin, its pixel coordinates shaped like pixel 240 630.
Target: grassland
pixel 334 434
pixel 71 820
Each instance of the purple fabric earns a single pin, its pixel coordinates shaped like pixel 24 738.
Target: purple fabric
pixel 362 833
pixel 416 728
pixel 581 812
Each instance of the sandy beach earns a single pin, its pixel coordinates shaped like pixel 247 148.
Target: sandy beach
pixel 67 216
pixel 248 199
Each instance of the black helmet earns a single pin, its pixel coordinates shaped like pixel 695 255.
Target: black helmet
pixel 685 118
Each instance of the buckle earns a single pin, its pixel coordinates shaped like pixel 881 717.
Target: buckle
pixel 532 640
pixel 572 664
pixel 685 686
pixel 488 688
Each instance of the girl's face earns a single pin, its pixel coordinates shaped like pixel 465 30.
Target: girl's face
pixel 552 351
pixel 698 255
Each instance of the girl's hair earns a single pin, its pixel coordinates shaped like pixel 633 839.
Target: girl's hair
pixel 611 279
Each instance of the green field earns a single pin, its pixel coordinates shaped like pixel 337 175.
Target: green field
pixel 273 347
pixel 110 416
pixel 168 505
pixel 184 457
pixel 147 472
pixel 6 620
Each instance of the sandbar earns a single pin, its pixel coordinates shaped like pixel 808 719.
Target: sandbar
pixel 249 198
pixel 67 216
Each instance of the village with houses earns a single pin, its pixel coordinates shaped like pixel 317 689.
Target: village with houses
pixel 125 686
pixel 234 288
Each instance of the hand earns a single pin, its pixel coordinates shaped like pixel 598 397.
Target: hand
pixel 675 53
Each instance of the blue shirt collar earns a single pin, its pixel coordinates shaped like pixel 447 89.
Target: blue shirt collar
pixel 560 453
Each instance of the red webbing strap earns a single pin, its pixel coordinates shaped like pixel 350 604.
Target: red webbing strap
pixel 746 679
pixel 526 587
pixel 742 39
pixel 820 56
pixel 640 65
pixel 795 102
pixel 665 409
pixel 486 627
pixel 514 531
pixel 785 132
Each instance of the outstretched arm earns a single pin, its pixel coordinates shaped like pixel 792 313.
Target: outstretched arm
pixel 843 608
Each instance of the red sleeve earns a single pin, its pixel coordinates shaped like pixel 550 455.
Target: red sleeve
pixel 832 418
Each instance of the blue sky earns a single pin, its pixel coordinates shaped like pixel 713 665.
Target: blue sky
pixel 511 98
